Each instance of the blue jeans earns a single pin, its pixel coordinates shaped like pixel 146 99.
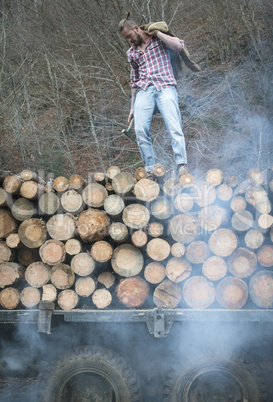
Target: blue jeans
pixel 166 102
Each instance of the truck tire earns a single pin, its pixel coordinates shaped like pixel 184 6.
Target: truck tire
pixel 216 377
pixel 89 373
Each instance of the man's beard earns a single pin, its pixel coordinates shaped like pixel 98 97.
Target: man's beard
pixel 138 41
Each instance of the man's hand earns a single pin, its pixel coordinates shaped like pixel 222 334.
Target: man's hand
pixel 153 33
pixel 131 115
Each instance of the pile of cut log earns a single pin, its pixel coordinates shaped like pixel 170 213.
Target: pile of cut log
pixel 122 240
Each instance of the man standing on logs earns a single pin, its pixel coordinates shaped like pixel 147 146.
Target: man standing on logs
pixel 153 86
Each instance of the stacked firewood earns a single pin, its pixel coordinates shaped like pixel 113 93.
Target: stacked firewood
pixel 122 240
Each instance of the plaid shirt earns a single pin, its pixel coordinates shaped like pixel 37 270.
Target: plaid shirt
pixel 153 66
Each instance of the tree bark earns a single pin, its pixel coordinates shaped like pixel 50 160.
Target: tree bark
pixel 7 224
pixel 37 274
pixel 83 264
pixel 132 292
pixel 167 294
pixel 127 260
pixel 178 269
pixel 158 249
pixel 154 273
pixel 198 292
pixel 62 276
pixel 4 197
pixel 232 293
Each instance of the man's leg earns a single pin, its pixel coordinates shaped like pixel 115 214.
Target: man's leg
pixel 143 113
pixel 167 103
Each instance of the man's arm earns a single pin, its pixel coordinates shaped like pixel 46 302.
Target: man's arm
pixel 171 42
pixel 133 98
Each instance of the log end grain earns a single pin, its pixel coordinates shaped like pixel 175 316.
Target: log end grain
pixel 178 269
pixel 132 292
pixel 214 268
pixel 158 249
pixel 167 294
pixel 232 293
pixel 198 292
pixel 68 299
pixel 127 260
pixel 154 273
pixel 102 298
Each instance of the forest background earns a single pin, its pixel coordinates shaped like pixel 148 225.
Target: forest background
pixel 65 89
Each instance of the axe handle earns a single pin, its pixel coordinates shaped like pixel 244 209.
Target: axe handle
pixel 131 124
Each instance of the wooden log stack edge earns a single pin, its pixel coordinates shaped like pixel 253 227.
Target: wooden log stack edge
pixel 126 241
